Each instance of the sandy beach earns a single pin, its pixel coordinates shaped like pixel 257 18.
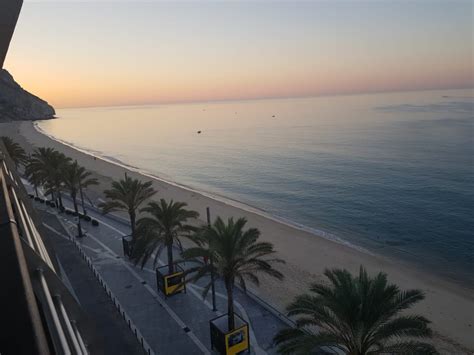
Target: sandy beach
pixel 449 306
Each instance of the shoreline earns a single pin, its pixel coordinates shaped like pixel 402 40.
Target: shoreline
pixel 449 306
pixel 318 233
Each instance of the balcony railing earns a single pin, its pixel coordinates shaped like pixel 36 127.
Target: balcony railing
pixel 38 313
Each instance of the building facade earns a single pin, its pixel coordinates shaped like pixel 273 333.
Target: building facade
pixel 9 12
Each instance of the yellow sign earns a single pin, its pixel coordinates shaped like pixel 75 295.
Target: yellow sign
pixel 237 341
pixel 174 283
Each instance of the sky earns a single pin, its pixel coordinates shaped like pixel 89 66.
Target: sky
pixel 106 52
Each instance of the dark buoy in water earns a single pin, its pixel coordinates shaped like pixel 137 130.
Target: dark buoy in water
pixel 198 132
pixel 273 116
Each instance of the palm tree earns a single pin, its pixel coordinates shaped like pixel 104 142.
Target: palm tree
pixel 127 195
pixel 49 166
pixel 237 256
pixel 15 151
pixel 33 176
pixel 165 226
pixel 75 178
pixel 359 315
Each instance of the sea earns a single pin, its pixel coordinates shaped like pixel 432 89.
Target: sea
pixel 390 173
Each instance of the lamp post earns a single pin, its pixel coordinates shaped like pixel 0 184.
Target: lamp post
pixel 211 260
pixel 79 228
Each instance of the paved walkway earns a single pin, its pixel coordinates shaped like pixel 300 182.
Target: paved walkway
pixel 110 327
pixel 177 325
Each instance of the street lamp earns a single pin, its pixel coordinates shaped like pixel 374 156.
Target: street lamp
pixel 211 260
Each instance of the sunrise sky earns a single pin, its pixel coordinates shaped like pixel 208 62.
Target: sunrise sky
pixel 103 53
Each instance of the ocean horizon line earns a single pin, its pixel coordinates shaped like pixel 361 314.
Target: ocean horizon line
pixel 269 98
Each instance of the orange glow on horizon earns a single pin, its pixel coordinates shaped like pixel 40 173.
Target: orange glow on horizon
pixel 115 91
pixel 96 54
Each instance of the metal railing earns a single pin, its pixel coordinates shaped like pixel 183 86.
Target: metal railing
pixel 21 318
pixel 38 314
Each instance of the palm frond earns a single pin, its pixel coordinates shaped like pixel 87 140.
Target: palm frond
pixel 129 194
pixel 409 348
pixel 163 226
pixel 358 312
pixel 15 151
pixel 236 253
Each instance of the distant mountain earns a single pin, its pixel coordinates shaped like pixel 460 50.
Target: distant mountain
pixel 17 104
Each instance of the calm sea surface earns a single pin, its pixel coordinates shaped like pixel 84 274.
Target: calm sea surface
pixel 391 173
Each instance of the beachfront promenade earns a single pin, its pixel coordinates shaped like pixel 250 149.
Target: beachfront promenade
pixel 176 325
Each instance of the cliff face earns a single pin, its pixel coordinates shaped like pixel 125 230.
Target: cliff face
pixel 17 104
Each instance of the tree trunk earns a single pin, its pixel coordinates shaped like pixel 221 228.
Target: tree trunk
pixel 169 248
pixel 76 209
pixel 132 224
pixel 82 201
pixel 36 190
pixel 60 199
pixel 74 203
pixel 229 285
pixel 79 228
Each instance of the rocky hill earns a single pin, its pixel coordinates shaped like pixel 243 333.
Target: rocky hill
pixel 17 104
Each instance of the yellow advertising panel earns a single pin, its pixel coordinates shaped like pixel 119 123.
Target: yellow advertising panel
pixel 174 283
pixel 237 341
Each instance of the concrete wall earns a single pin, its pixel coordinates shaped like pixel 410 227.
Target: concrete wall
pixel 9 12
